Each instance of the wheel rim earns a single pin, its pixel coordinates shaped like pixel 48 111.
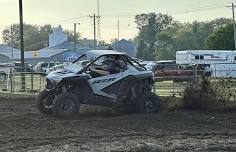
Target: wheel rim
pixel 47 103
pixel 67 107
pixel 149 106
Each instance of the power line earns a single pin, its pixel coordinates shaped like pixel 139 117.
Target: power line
pixel 179 11
pixel 72 21
pixel 125 15
pixel 196 10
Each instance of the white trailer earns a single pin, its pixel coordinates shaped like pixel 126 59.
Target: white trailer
pixel 205 57
pixel 223 70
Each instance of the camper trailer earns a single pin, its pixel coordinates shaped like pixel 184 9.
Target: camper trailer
pixel 218 63
pixel 205 57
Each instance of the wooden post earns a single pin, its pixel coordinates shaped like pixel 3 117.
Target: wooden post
pixel 11 81
pixel 32 82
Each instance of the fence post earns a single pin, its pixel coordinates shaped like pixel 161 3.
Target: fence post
pixel 11 81
pixel 40 82
pixel 195 73
pixel 173 85
pixel 32 82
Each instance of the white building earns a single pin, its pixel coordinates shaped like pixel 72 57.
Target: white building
pixel 57 37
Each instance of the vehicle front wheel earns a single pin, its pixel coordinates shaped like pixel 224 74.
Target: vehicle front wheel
pixel 44 102
pixel 66 105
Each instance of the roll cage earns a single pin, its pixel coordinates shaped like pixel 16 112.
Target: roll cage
pixel 124 57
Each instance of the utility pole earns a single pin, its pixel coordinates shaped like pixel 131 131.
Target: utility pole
pixel 233 7
pixel 22 45
pixel 12 43
pixel 118 34
pixel 98 21
pixel 75 36
pixel 94 31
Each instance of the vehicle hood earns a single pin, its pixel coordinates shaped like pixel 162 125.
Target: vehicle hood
pixel 58 75
pixel 67 71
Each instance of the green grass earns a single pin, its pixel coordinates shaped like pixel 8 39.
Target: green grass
pixel 170 88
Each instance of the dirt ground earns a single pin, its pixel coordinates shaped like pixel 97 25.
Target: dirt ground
pixel 23 128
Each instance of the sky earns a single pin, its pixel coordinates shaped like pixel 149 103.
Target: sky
pixel 68 12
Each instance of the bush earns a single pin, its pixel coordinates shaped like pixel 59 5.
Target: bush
pixel 205 95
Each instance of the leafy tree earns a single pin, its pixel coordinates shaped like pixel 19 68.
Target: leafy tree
pixel 222 39
pixel 113 41
pixel 166 42
pixel 149 25
pixel 165 46
pixel 35 37
pixel 11 35
pixel 142 50
pixel 219 23
pixel 193 36
pixel 71 35
pixel 162 36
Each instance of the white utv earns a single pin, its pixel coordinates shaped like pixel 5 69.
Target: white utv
pixel 110 79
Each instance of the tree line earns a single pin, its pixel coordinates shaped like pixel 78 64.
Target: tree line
pixel 159 36
pixel 35 36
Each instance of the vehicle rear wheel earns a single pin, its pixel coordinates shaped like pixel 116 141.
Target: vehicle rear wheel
pixel 44 102
pixel 148 103
pixel 66 105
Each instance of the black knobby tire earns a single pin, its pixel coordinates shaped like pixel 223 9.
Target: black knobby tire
pixel 148 103
pixel 44 102
pixel 66 105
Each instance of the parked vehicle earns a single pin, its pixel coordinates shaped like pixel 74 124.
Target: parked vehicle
pixel 55 68
pixel 5 69
pixel 17 67
pixel 109 79
pixel 39 67
pixel 168 68
pixel 216 63
pixel 152 66
pixel 44 66
pixel 3 76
